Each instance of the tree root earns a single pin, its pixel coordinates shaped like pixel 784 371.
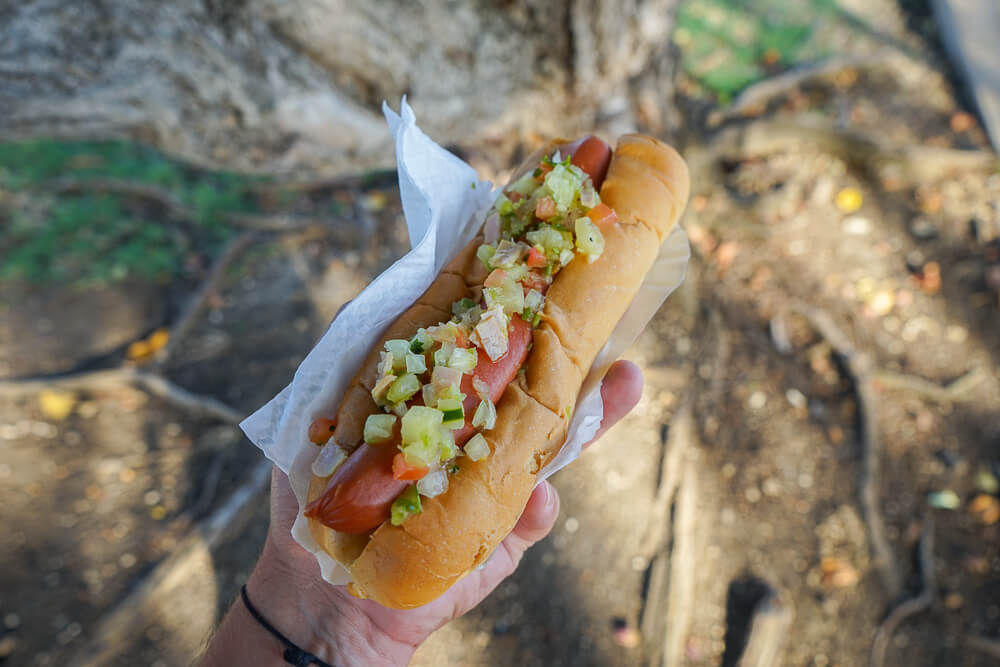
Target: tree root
pixel 116 377
pixel 912 606
pixel 153 591
pixel 175 208
pixel 196 305
pixel 860 368
pixel 760 138
pixel 955 391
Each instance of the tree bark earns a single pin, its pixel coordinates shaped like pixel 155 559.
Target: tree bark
pixel 284 86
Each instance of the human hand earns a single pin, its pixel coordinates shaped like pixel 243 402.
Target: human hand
pixel 326 620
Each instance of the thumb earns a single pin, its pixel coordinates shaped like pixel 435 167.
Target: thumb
pixel 537 519
pixel 535 523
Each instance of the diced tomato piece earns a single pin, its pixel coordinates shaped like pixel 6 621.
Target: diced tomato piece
pixel 546 208
pixel 461 340
pixel 602 214
pixel 515 196
pixel 545 167
pixel 403 471
pixel 536 259
pixel 496 278
pixel 321 430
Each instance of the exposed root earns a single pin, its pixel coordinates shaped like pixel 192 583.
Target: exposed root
pixel 956 391
pixel 860 368
pixel 117 377
pixel 196 305
pixel 912 606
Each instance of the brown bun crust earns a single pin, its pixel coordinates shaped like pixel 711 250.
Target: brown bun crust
pixel 411 565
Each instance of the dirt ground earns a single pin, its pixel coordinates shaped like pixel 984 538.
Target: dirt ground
pixel 732 492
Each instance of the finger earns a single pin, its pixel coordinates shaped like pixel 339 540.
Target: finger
pixel 620 391
pixel 537 519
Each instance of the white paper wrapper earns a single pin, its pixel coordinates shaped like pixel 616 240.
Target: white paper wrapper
pixel 444 203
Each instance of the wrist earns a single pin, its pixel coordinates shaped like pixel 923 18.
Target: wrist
pixel 317 617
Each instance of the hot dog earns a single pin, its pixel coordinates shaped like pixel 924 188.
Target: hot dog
pixel 471 391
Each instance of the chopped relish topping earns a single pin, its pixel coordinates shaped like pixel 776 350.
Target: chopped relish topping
pixel 537 225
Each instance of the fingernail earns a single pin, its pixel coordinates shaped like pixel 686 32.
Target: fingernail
pixel 550 496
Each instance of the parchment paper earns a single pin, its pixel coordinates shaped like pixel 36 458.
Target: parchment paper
pixel 444 203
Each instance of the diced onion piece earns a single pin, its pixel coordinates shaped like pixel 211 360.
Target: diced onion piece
pixel 485 416
pixel 398 348
pixel 463 359
pixel 429 393
pixel 477 448
pixel 328 459
pixel 378 428
pixel 589 197
pixel 381 388
pixel 491 230
pixel 406 505
pixel 507 254
pixel 399 409
pixel 534 300
pixel 443 354
pixel 482 389
pixel 404 387
pixel 385 363
pixel 433 483
pixel 589 239
pixel 492 332
pixel 443 376
pixel 445 333
pixel 566 256
pixel 415 363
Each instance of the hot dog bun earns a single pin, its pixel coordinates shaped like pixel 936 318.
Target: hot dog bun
pixel 412 564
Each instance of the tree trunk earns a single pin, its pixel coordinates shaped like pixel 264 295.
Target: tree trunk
pixel 283 86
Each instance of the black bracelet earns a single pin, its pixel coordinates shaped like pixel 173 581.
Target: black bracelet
pixel 293 655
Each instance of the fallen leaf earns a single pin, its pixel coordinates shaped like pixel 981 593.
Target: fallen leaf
pixel 962 121
pixel 944 500
pixel 880 304
pixel 986 481
pixel 57 404
pixel 929 278
pixel 838 573
pixel 985 508
pixel 158 340
pixel 725 254
pixel 930 202
pixel 849 200
pixel 138 351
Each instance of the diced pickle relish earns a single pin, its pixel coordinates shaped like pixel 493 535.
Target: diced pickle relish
pixel 536 226
pixel 406 505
